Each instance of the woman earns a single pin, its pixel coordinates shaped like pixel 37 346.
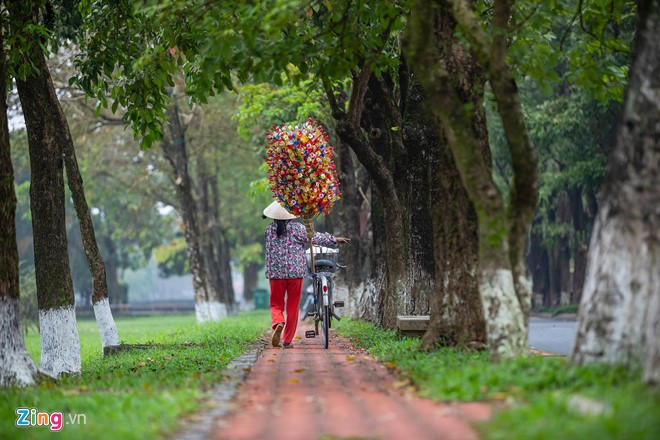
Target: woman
pixel 286 266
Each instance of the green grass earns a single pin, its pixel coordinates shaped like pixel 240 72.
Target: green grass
pixel 140 393
pixel 558 310
pixel 536 390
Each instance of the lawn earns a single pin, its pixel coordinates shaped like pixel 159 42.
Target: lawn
pixel 140 393
pixel 545 398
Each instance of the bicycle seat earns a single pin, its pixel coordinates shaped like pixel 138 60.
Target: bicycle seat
pixel 325 265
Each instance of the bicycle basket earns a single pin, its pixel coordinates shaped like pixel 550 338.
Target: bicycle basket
pixel 325 258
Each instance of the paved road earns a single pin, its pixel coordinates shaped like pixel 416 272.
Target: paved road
pixel 552 335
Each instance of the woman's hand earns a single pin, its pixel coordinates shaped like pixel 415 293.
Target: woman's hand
pixel 342 240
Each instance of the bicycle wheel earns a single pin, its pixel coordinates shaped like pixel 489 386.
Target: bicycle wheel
pixel 318 306
pixel 326 325
pixel 330 306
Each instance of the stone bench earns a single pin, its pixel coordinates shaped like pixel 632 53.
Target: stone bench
pixel 412 325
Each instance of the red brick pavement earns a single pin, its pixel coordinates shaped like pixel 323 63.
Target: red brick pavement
pixel 309 393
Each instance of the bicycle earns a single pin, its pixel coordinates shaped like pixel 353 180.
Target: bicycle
pixel 325 267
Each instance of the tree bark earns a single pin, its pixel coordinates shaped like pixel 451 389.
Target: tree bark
pixel 351 209
pixel 16 365
pixel 174 147
pixel 112 269
pixel 100 301
pixel 390 297
pixel 222 247
pixel 60 344
pixel 619 320
pixel 215 286
pixel 439 202
pixel 582 226
pixel 398 147
pixel 502 234
pixel 562 253
pixel 538 264
pixel 250 280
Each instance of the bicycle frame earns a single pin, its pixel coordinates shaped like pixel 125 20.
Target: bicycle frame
pixel 323 303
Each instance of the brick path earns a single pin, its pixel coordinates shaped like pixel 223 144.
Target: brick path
pixel 309 393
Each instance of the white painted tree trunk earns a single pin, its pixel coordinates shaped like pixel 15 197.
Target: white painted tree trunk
pixel 106 323
pixel 217 310
pixel 60 344
pixel 505 320
pixel 202 312
pixel 619 320
pixel 368 301
pixel 340 292
pixel 622 277
pixel 651 360
pixel 16 365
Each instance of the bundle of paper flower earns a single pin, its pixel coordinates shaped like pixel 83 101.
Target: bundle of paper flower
pixel 301 172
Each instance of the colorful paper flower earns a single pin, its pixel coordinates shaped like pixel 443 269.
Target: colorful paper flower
pixel 301 171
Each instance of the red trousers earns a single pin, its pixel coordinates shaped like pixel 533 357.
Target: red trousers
pixel 285 291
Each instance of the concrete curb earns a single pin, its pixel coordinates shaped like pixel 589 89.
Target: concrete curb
pixel 561 317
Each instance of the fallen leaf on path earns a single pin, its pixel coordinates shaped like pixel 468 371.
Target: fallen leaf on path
pixel 350 358
pixel 400 384
pixel 74 391
pixel 293 381
pixel 297 337
pixel 272 361
pixel 298 370
pixel 390 365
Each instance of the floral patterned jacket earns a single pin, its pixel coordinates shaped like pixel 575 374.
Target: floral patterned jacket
pixel 285 255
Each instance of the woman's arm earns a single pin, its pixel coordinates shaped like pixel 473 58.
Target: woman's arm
pixel 320 238
pixel 324 239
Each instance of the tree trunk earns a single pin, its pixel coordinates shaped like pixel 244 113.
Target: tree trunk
pixel 350 281
pixel 400 162
pixel 217 304
pixel 391 189
pixel 619 320
pixel 565 286
pixel 104 320
pixel 225 270
pixel 222 247
pixel 456 311
pixel 390 297
pixel 60 344
pixel 582 225
pixel 16 365
pixel 538 264
pixel 375 284
pixel 112 270
pixel 502 233
pixel 250 280
pixel 174 148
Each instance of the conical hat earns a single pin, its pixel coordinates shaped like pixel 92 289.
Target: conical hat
pixel 277 212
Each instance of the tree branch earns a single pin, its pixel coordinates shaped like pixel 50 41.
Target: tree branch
pixel 356 101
